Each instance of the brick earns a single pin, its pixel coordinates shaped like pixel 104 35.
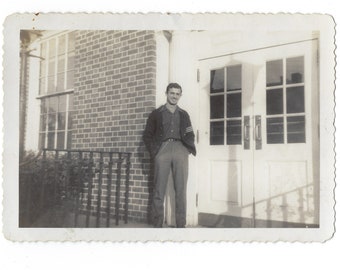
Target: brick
pixel 114 94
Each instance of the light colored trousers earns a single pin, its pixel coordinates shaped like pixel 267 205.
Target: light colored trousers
pixel 172 156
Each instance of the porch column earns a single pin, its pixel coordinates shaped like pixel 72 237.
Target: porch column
pixel 162 65
pixel 182 70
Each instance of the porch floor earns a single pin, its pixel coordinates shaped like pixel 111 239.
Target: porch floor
pixel 60 219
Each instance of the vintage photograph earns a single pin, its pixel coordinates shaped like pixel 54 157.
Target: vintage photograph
pixel 187 127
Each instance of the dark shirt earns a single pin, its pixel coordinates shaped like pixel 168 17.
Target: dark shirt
pixel 171 124
pixel 154 134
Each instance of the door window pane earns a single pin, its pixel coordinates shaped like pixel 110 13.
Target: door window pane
pixel 234 105
pixel 295 70
pixel 274 101
pixel 234 132
pixel 216 107
pixel 296 129
pixel 295 99
pixel 274 71
pixel 234 78
pixel 217 133
pixel 217 81
pixel 275 130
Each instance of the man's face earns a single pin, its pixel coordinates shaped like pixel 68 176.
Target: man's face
pixel 173 96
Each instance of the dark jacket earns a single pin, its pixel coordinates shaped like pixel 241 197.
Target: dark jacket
pixel 154 135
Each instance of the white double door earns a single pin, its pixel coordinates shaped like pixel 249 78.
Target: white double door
pixel 258 135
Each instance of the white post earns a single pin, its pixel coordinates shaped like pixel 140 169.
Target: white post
pixel 183 70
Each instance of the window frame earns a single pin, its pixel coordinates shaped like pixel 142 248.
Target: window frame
pixel 285 86
pixel 225 94
pixel 44 94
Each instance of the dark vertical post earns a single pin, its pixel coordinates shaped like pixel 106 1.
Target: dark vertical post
pixel 28 202
pixel 119 168
pixel 55 185
pixel 89 190
pixel 67 184
pixel 43 177
pixel 254 212
pixel 301 203
pixel 78 187
pixel 127 186
pixel 99 200
pixel 109 183
pixel 23 97
pixel 269 213
pixel 284 208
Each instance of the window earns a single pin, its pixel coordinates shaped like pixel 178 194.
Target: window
pixel 226 106
pixel 56 91
pixel 285 101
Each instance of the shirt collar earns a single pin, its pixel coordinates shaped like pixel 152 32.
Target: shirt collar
pixel 163 107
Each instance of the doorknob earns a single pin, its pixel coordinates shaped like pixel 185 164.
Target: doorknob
pixel 246 128
pixel 258 133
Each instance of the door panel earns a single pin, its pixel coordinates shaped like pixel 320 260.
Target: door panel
pixel 226 158
pixel 283 173
pixel 256 136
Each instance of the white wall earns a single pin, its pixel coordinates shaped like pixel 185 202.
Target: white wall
pixel 186 49
pixel 162 67
pixel 33 104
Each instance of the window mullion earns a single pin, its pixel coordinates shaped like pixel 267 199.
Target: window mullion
pixel 66 121
pixel 49 91
pixel 56 64
pixel 225 106
pixel 46 131
pixel 66 61
pixel 55 90
pixel 285 137
pixel 47 60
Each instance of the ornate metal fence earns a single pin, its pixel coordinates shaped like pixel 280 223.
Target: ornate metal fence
pixel 74 188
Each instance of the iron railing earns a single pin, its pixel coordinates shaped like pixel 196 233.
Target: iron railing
pixel 74 188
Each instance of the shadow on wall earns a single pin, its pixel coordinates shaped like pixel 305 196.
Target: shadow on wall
pixel 274 212
pixel 147 167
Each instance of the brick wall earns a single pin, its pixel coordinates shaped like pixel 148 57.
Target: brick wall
pixel 115 82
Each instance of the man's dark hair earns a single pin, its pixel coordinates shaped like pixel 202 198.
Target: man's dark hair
pixel 173 85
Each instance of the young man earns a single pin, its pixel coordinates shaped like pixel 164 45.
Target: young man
pixel 170 139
